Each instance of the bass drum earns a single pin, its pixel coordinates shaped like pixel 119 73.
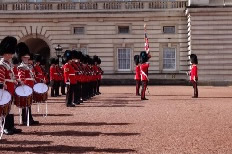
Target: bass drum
pixel 40 93
pixel 5 102
pixel 23 96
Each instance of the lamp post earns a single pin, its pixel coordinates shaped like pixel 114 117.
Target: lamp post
pixel 58 52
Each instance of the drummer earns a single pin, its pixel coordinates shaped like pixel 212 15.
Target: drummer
pixel 26 77
pixel 39 74
pixel 7 49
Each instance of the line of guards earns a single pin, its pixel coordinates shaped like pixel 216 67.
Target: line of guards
pixel 81 73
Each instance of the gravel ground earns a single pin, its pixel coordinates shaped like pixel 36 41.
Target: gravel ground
pixel 118 122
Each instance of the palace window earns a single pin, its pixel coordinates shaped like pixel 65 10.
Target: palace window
pixel 169 59
pixel 124 59
pixel 79 30
pixel 169 29
pixel 123 29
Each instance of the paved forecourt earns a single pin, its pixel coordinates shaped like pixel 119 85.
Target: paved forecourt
pixel 117 121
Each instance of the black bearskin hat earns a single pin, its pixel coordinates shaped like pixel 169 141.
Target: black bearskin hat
pixel 52 61
pixel 95 59
pixel 15 60
pixel 8 45
pixel 57 61
pixel 67 55
pixel 22 50
pixel 37 58
pixel 84 59
pixel 99 61
pixel 136 59
pixel 76 54
pixel 143 57
pixel 193 59
pixel 31 56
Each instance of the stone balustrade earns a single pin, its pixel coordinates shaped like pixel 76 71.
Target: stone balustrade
pixel 88 6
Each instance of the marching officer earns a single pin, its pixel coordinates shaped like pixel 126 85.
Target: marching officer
pixel 26 76
pixel 54 78
pixel 7 79
pixel 69 78
pixel 137 74
pixel 193 74
pixel 144 57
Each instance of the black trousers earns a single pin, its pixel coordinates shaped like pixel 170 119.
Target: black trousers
pixel 144 88
pixel 98 85
pixel 24 115
pixel 70 93
pixel 138 83
pixel 62 85
pixel 77 92
pixel 195 93
pixel 55 88
pixel 9 122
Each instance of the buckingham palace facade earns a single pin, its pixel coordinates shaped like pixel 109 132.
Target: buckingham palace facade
pixel 114 30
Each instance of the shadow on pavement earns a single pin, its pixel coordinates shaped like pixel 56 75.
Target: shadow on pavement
pixel 78 133
pixel 25 142
pixel 88 124
pixel 64 149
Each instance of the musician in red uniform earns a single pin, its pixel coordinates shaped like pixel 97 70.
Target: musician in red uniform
pixel 137 74
pixel 62 83
pixel 69 78
pixel 193 74
pixel 26 76
pixel 144 57
pixel 99 76
pixel 54 78
pixel 15 63
pixel 7 78
pixel 39 74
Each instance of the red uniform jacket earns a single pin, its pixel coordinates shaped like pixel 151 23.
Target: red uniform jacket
pixel 15 71
pixel 69 73
pixel 26 75
pixel 137 73
pixel 39 75
pixel 7 76
pixel 194 72
pixel 53 73
pixel 144 71
pixel 60 73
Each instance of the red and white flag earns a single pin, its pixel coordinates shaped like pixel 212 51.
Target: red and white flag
pixel 146 46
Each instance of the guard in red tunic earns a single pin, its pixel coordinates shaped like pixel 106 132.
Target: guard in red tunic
pixel 54 78
pixel 15 63
pixel 70 78
pixel 7 78
pixel 144 57
pixel 39 74
pixel 99 75
pixel 193 74
pixel 137 74
pixel 26 76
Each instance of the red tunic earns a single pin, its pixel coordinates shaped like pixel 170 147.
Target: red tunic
pixel 53 73
pixel 194 73
pixel 39 75
pixel 69 73
pixel 137 73
pixel 25 74
pixel 7 76
pixel 60 73
pixel 15 71
pixel 144 71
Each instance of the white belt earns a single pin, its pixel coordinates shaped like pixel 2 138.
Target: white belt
pixel 72 74
pixel 29 79
pixel 55 73
pixel 8 80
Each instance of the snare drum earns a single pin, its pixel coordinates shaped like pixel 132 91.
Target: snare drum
pixel 40 93
pixel 5 102
pixel 23 96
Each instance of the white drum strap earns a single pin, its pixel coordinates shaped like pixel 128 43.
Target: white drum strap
pixel 143 73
